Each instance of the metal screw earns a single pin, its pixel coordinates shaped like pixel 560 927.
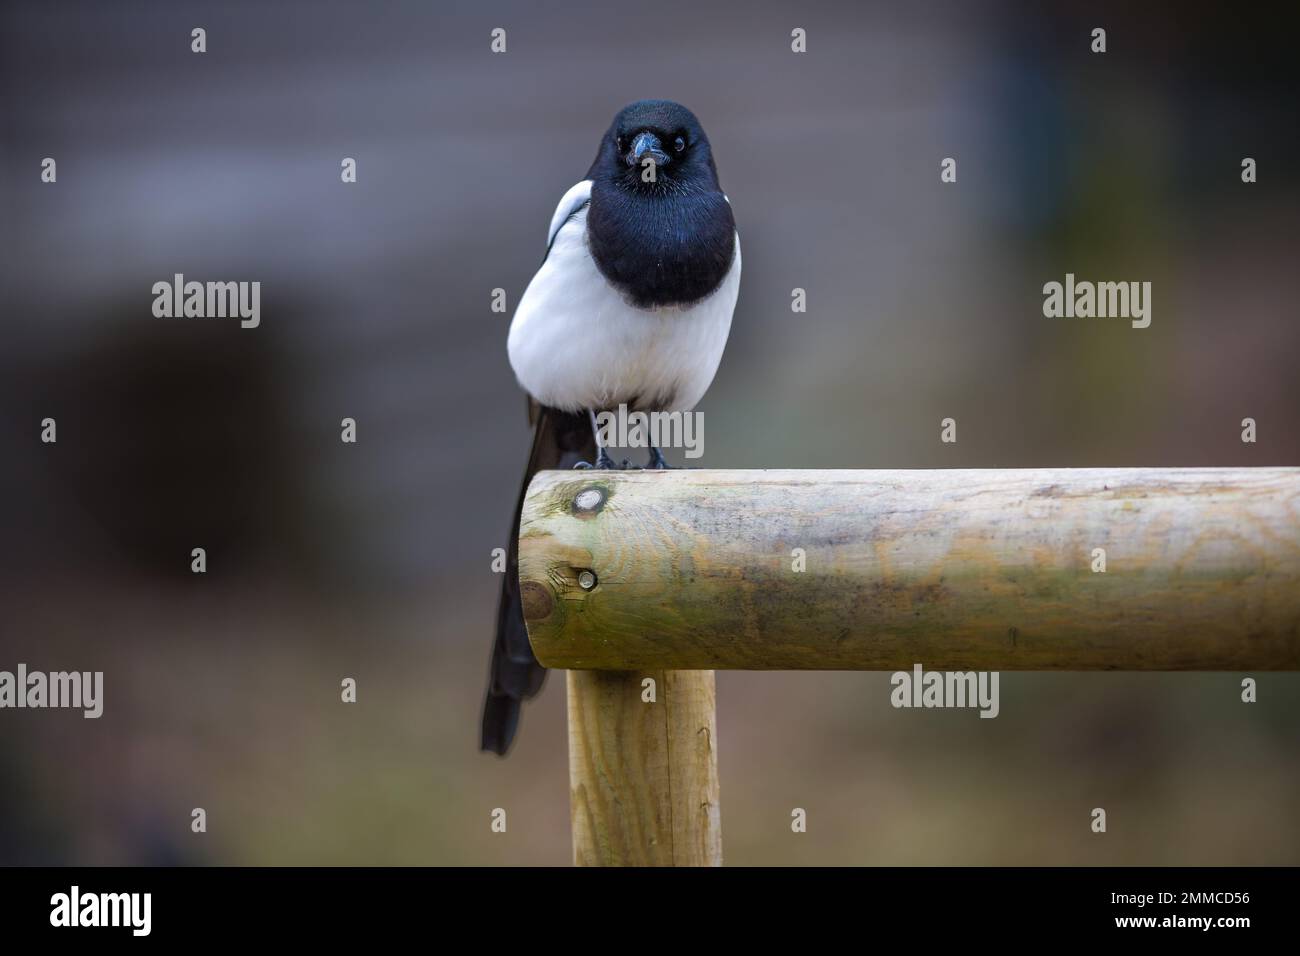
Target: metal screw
pixel 588 499
pixel 587 580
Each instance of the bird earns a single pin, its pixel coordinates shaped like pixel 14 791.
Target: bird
pixel 632 305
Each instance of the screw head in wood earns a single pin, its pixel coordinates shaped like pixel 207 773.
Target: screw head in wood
pixel 589 499
pixel 586 580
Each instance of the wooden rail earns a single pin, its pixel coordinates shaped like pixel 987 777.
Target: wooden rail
pixel 651 573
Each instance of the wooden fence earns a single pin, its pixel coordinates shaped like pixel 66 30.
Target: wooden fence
pixel 641 583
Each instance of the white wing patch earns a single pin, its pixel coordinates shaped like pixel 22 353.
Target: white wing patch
pixel 570 202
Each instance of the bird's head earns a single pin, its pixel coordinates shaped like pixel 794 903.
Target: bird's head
pixel 655 144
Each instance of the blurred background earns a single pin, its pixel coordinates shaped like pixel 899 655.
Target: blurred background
pixel 372 560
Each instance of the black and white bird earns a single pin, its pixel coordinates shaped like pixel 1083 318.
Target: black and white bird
pixel 631 306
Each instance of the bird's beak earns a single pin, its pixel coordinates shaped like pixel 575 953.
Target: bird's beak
pixel 646 145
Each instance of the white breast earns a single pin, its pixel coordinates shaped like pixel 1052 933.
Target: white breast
pixel 575 344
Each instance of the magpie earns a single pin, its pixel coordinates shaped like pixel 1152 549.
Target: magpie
pixel 631 306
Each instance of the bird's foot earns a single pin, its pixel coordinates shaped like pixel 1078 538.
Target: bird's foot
pixel 657 460
pixel 603 462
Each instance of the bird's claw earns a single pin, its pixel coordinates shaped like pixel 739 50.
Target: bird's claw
pixel 603 463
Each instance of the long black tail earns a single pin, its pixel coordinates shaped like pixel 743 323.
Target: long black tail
pixel 561 440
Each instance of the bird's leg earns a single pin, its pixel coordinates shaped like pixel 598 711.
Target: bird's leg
pixel 603 461
pixel 657 459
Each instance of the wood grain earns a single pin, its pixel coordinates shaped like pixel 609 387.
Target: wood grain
pixel 953 569
pixel 643 776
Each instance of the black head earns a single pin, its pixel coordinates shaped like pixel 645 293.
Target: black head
pixel 655 145
pixel 658 226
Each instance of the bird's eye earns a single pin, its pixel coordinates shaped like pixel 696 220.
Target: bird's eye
pixel 679 144
pixel 618 141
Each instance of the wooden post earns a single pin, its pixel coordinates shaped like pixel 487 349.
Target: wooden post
pixel 643 775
